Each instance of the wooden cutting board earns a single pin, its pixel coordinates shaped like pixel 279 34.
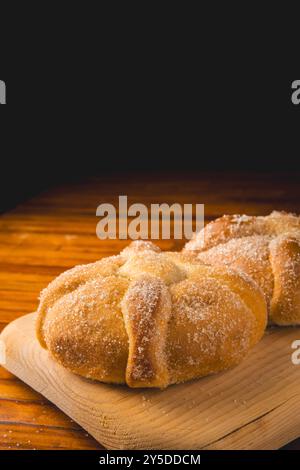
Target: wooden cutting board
pixel 254 406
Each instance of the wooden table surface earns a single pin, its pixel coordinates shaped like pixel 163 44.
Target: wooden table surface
pixel 56 229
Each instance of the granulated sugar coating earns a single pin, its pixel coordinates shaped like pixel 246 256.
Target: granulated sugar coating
pixel 249 254
pixel 149 319
pixel 265 248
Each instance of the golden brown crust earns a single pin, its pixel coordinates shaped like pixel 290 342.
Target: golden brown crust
pixel 266 248
pixel 149 319
pixel 229 227
pixel 147 309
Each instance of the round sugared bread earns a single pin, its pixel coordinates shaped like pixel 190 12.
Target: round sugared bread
pixel 267 248
pixel 149 318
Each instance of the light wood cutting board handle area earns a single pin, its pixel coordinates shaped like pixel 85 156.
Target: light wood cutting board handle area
pixel 254 406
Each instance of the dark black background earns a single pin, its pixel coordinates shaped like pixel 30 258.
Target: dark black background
pixel 139 102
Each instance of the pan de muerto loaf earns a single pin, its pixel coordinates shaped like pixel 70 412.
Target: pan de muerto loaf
pixel 265 248
pixel 150 318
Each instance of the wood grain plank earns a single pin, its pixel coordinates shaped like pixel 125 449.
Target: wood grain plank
pixel 276 426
